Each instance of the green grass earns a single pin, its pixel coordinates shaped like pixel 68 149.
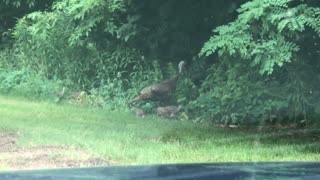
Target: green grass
pixel 127 139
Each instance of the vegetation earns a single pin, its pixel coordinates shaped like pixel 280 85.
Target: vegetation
pixel 281 37
pixel 122 138
pixel 258 65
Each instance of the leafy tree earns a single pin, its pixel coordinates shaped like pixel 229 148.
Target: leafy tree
pixel 61 42
pixel 82 41
pixel 267 34
pixel 11 10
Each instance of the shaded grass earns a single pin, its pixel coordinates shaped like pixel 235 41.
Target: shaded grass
pixel 127 139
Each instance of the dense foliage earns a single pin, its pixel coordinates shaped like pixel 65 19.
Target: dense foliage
pixel 259 64
pixel 279 38
pixel 267 32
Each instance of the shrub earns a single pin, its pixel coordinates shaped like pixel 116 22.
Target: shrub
pixel 236 93
pixel 29 84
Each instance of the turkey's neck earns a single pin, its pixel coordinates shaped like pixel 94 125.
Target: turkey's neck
pixel 173 80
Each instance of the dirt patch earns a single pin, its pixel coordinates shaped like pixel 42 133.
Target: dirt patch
pixel 43 157
pixel 7 141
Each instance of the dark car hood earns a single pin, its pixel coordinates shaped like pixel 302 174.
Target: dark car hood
pixel 281 170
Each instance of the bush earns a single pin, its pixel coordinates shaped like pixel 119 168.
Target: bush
pixel 235 93
pixel 28 84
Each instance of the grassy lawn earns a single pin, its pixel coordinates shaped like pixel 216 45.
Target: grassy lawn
pixel 127 139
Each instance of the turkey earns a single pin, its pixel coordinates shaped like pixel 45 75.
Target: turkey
pixel 139 112
pixel 79 97
pixel 168 111
pixel 61 95
pixel 160 91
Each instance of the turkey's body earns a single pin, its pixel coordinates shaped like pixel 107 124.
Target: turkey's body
pixel 159 92
pixel 139 113
pixel 168 111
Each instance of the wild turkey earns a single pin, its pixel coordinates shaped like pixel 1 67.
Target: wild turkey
pixel 61 95
pixel 79 97
pixel 139 112
pixel 168 111
pixel 160 91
